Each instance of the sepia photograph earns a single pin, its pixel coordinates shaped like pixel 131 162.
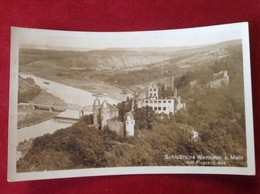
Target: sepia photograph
pixel 110 103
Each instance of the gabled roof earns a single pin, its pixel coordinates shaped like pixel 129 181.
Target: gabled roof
pixel 112 108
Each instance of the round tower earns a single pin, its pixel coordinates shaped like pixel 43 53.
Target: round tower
pixel 129 124
pixel 105 115
pixel 96 107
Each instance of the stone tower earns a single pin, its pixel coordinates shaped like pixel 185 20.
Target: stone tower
pixel 96 107
pixel 153 90
pixel 168 81
pixel 130 122
pixel 105 115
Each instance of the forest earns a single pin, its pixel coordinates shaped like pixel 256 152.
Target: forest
pixel 217 114
pixel 81 146
pixel 130 78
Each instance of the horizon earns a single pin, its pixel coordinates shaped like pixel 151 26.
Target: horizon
pixel 83 41
pixel 178 48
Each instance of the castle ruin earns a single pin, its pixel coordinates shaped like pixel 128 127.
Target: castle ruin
pixel 167 105
pixel 105 115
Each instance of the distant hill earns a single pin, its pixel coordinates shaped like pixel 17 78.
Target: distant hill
pixel 111 58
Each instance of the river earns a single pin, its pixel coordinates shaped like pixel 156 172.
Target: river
pixel 68 94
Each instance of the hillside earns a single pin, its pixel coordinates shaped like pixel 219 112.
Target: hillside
pixel 98 60
pixel 25 84
pixel 217 114
pixel 111 58
pixel 81 146
pixel 27 90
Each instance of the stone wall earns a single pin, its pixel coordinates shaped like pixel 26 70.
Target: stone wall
pixel 117 126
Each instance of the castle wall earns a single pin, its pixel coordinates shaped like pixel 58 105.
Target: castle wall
pixel 221 79
pixel 95 114
pixel 180 106
pixel 104 117
pixel 219 82
pixel 113 113
pixel 116 126
pixel 165 106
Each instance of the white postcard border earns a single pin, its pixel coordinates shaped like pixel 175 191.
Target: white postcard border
pixel 79 40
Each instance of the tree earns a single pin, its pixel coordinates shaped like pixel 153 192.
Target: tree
pixel 124 107
pixel 144 117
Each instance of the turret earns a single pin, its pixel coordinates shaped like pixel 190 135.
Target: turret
pixel 105 115
pixel 96 107
pixel 129 124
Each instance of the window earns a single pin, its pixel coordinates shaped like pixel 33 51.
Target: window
pixel 127 122
pixel 159 101
pixel 155 108
pixel 164 108
pixel 164 101
pixel 155 101
pixel 151 89
pixel 146 101
pixel 154 89
pixel 132 122
pixel 159 108
pixel 169 101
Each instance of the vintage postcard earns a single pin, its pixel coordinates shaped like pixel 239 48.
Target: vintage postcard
pixel 110 103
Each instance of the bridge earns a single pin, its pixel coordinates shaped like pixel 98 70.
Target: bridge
pixel 56 107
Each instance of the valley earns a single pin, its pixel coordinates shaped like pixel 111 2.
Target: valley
pixel 216 114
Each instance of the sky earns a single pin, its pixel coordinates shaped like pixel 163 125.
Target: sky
pixel 66 40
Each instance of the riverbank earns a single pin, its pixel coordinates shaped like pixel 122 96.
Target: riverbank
pixel 34 117
pixel 88 84
pixel 27 116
